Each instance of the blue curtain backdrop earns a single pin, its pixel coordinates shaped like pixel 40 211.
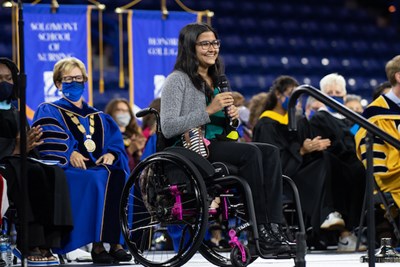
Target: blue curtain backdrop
pixel 152 51
pixel 50 37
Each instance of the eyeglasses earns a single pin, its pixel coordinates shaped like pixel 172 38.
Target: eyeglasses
pixel 205 45
pixel 69 79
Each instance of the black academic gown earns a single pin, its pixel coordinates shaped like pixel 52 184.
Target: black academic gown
pixel 310 172
pixel 48 206
pixel 348 172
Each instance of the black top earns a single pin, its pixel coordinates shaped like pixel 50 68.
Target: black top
pixel 9 129
pixel 270 131
pixel 338 131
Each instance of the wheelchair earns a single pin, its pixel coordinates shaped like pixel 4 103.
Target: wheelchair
pixel 171 191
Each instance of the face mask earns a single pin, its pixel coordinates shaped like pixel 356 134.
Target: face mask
pixel 285 104
pixel 123 119
pixel 4 105
pixel 6 90
pixel 338 99
pixel 73 91
pixel 312 113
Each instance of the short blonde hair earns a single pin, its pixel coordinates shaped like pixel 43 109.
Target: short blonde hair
pixel 66 65
pixel 391 68
pixel 332 78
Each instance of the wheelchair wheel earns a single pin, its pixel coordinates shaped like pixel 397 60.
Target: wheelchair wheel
pixel 237 259
pixel 164 194
pixel 222 256
pixel 236 217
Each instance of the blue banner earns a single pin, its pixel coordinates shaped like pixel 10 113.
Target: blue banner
pixel 50 37
pixel 153 49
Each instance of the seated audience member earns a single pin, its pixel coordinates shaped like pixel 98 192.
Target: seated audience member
pixel 134 141
pixel 381 89
pixel 238 99
pixel 190 98
pixel 243 128
pixel 256 106
pixel 48 204
pixel 312 106
pixel 300 153
pixel 384 112
pixel 89 146
pixel 348 173
pixel 149 121
pixel 353 102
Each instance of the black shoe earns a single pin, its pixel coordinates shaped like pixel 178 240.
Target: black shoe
pixel 120 255
pixel 102 257
pixel 269 244
pixel 276 229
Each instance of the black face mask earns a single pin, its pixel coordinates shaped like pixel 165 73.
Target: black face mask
pixel 6 90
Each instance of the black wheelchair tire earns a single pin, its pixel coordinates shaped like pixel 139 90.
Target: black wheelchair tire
pixel 199 188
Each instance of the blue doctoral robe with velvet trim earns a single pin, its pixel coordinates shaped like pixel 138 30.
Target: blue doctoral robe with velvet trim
pixel 95 192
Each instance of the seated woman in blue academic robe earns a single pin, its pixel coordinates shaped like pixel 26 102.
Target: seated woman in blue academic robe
pixel 89 147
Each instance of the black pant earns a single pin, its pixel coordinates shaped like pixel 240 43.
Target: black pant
pixel 47 205
pixel 313 180
pixel 348 187
pixel 259 164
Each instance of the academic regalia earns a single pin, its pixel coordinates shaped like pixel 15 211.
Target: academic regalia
pixel 95 192
pixel 348 173
pixel 385 114
pixel 48 206
pixel 310 172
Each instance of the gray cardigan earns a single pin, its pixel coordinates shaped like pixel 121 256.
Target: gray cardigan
pixel 182 106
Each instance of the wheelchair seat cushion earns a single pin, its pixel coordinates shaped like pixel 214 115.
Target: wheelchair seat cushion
pixel 201 163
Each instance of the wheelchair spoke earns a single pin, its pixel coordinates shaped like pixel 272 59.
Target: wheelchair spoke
pixel 136 198
pixel 145 212
pixel 144 227
pixel 136 222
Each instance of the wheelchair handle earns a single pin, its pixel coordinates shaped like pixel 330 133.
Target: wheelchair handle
pixel 147 111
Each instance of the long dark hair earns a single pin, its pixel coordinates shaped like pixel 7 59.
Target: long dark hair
pixel 280 85
pixel 187 61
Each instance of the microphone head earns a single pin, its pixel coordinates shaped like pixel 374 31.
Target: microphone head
pixel 223 83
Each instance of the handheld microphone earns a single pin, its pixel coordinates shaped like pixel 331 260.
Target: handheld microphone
pixel 223 85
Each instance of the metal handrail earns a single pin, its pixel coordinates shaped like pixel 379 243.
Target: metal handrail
pixel 349 114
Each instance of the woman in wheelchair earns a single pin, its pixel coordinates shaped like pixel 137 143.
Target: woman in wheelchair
pixel 191 97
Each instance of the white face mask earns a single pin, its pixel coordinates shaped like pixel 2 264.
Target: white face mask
pixel 123 119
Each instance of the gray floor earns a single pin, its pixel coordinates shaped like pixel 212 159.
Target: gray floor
pixel 314 259
pixel 326 258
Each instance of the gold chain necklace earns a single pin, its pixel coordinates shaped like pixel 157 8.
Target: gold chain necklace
pixel 89 144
